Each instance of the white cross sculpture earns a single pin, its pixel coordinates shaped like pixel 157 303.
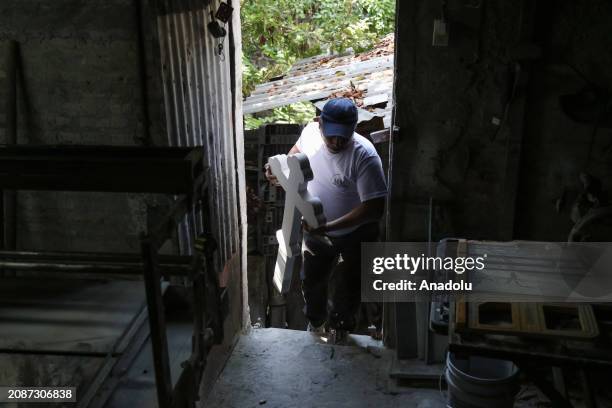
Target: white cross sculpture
pixel 293 173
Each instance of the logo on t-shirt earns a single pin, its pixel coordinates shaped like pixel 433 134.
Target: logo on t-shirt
pixel 339 180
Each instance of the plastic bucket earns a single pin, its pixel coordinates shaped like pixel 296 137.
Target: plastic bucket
pixel 480 382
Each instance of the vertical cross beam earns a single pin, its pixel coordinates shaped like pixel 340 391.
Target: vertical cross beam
pixel 293 174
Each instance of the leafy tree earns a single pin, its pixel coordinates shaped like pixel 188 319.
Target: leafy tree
pixel 300 112
pixel 277 33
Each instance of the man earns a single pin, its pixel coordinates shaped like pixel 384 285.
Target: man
pixel 349 181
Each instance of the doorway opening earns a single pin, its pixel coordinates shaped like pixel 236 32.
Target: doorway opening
pixel 297 56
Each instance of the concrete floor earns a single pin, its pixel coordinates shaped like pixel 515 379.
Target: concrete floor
pixel 276 368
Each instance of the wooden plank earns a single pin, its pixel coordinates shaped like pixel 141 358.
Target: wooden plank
pixel 516 349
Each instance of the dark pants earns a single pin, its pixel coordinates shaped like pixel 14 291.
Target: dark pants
pixel 319 259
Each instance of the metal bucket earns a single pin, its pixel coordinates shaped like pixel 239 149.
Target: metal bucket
pixel 479 382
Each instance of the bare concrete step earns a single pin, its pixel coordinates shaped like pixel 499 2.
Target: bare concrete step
pixel 287 368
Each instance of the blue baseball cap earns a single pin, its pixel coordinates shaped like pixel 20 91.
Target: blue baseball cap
pixel 339 118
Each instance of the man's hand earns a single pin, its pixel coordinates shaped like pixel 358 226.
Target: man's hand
pixel 321 230
pixel 269 176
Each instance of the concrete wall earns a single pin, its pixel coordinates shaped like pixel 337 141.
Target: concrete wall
pixel 481 130
pixel 79 85
pixel 556 148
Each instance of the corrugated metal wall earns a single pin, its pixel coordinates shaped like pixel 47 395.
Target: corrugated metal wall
pixel 198 100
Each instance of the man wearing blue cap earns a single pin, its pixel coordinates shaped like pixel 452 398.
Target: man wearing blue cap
pixel 349 181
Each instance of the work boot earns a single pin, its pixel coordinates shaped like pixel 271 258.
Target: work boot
pixel 338 337
pixel 318 330
pixel 342 322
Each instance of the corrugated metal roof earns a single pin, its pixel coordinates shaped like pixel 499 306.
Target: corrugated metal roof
pixel 368 74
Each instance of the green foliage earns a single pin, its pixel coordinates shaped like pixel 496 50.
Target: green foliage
pixel 277 33
pixel 300 113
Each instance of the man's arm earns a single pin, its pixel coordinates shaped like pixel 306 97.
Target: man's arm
pixel 371 210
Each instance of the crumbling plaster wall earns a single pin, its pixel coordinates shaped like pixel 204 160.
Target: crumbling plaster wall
pixel 79 83
pixel 481 131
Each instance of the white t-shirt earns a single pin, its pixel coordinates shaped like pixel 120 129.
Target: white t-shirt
pixel 345 179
